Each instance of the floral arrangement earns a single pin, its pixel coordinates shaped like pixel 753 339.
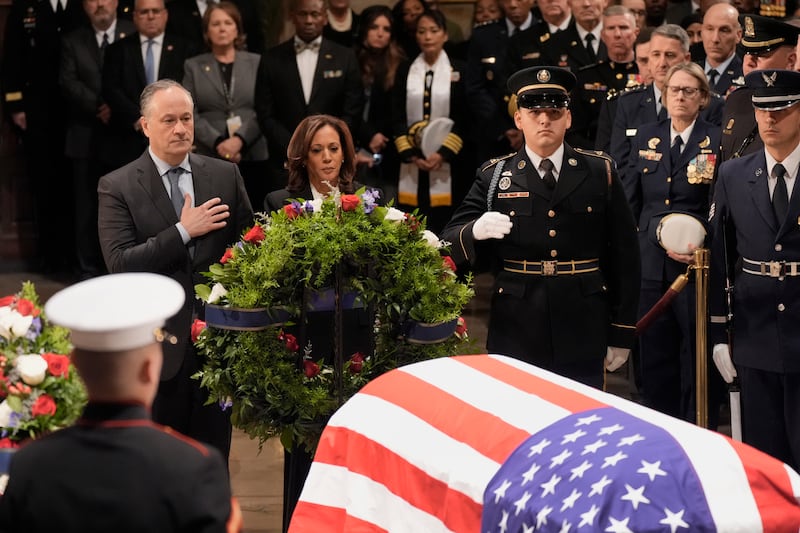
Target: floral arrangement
pixel 276 385
pixel 40 389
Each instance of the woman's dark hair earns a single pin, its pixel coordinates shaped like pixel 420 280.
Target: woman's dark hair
pixel 300 145
pixel 233 12
pixel 375 64
pixel 436 16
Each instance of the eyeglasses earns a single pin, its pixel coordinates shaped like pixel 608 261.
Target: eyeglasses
pixel 155 11
pixel 688 92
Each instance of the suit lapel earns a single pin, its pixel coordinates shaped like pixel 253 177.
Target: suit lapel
pixel 325 57
pixel 692 146
pixel 760 192
pixel 212 74
pixel 793 213
pixel 648 107
pixel 573 172
pixel 203 192
pixel 292 73
pixel 90 42
pixel 527 175
pixel 138 61
pixel 150 180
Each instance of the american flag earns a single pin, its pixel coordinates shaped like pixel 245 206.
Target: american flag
pixel 437 446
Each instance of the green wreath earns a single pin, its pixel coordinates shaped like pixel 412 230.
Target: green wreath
pixel 273 386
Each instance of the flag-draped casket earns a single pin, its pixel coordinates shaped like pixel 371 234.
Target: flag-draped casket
pixel 490 444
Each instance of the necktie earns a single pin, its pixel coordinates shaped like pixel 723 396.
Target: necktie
pixel 675 151
pixel 712 77
pixel 149 63
pixel 175 193
pixel 590 47
pixel 300 46
pixel 780 196
pixel 662 113
pixel 103 47
pixel 548 178
pixel 515 31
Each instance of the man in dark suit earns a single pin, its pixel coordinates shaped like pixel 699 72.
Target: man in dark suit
pixel 554 226
pixel 305 75
pixel 186 22
pixel 132 63
pixel 174 213
pixel 580 43
pixel 754 222
pixel 82 54
pixel 115 470
pixel 487 71
pixel 721 33
pixel 32 44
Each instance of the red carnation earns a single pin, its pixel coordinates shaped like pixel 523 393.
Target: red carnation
pixel 198 326
pixel 255 235
pixel 227 256
pixel 6 301
pixel 356 363
pixel 350 202
pixel 449 263
pixel 310 368
pixel 57 365
pixel 291 212
pixel 26 307
pixel 44 405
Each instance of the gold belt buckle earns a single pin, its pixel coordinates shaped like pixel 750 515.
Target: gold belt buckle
pixel 549 268
pixel 776 269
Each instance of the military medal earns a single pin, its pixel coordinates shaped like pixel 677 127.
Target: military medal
pixel 700 170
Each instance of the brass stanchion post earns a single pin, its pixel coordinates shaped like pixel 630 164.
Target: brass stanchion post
pixel 701 260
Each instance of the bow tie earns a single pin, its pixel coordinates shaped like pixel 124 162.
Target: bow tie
pixel 299 46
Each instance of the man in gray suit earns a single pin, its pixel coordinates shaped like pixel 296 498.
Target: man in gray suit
pixel 174 213
pixel 80 77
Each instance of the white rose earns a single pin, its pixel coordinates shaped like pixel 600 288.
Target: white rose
pixel 316 205
pixel 431 238
pixel 31 368
pixel 5 414
pixel 13 324
pixel 217 292
pixel 394 215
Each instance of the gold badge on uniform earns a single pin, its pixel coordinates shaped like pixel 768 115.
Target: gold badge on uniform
pixel 705 142
pixel 700 169
pixel 521 164
pixel 749 27
pixel 572 162
pixel 543 76
pixel 505 183
pixel 652 143
pixel 730 125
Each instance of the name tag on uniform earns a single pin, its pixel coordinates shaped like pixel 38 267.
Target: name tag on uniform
pixel 520 194
pixel 631 132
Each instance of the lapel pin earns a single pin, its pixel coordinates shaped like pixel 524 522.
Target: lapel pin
pixel 521 165
pixel 572 162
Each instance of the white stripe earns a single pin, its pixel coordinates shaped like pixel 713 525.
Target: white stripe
pixel 443 458
pixel 488 394
pixel 794 480
pixel 362 498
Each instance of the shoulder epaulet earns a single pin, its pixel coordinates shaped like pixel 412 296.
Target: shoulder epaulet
pixel 589 66
pixel 493 161
pixel 608 163
pixel 630 90
pixel 594 153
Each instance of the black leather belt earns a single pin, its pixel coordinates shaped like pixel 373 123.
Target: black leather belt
pixel 551 268
pixel 772 269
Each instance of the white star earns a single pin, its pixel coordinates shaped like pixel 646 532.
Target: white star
pixel 587 518
pixel 521 503
pixel 612 460
pixel 618 526
pixel 609 430
pixel 651 469
pixel 586 420
pixel 550 486
pixel 569 501
pixel 526 529
pixel 528 476
pixel 504 522
pixel 635 496
pixel 574 436
pixel 538 448
pixel 593 447
pixel 565 527
pixel 597 488
pixel 630 441
pixel 500 492
pixel 578 471
pixel 560 458
pixel 673 520
pixel 541 517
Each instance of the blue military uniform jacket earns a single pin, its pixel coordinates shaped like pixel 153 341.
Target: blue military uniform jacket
pixel 574 317
pixel 654 187
pixel 766 310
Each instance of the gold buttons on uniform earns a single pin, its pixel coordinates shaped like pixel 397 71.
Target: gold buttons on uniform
pixel 500 290
pixel 592 100
pixel 781 307
pixel 589 209
pixel 669 180
pixel 512 213
pixel 666 202
pixel 552 233
pixel 553 253
pixel 778 247
pixel 551 213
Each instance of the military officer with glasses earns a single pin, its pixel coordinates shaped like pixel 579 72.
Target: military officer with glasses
pixel 552 224
pixel 755 219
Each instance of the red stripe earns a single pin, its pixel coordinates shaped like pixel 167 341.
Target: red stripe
pixel 568 399
pixel 313 518
pixel 771 489
pixel 342 447
pixel 486 433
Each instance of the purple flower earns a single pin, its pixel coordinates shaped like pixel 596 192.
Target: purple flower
pixel 297 206
pixel 369 198
pixel 13 419
pixel 35 329
pixel 226 403
pixel 308 206
pixel 240 245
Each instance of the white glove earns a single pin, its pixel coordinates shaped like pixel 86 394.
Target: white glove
pixel 722 358
pixel 616 357
pixel 491 225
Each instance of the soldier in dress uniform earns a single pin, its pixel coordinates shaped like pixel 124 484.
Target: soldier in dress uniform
pixel 768 44
pixel 755 220
pixel 553 224
pixel 115 470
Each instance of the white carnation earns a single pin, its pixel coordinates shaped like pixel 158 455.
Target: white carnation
pixel 217 292
pixel 394 215
pixel 431 238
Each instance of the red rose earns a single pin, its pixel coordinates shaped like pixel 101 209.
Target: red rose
pixel 44 406
pixel 310 368
pixel 198 326
pixel 5 301
pixel 227 256
pixel 26 307
pixel 461 327
pixel 350 202
pixel 8 443
pixel 356 363
pixel 255 235
pixel 291 342
pixel 291 212
pixel 57 365
pixel 449 263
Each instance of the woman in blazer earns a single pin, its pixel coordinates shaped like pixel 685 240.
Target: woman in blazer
pixel 222 83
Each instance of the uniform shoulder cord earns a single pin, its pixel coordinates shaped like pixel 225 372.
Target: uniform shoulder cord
pixel 493 184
